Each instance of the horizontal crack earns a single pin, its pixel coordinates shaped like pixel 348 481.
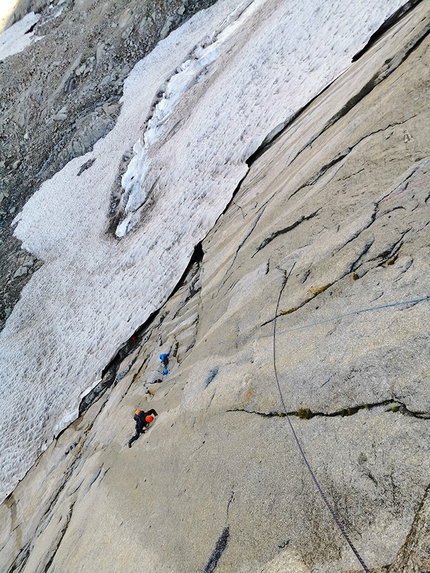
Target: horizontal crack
pixel 307 414
pixel 264 414
pixel 313 294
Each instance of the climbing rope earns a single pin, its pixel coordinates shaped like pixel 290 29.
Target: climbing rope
pixel 302 453
pixel 338 317
pixel 400 303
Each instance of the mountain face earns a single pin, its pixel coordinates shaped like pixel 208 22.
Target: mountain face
pixel 302 305
pixel 116 228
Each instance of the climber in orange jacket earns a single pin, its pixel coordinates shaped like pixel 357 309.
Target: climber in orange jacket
pixel 142 419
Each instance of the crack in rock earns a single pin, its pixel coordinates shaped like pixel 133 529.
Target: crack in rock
pixel 355 235
pixel 389 23
pixel 273 236
pixel 387 68
pixel 355 264
pixel 313 293
pixel 110 375
pixel 307 414
pixel 59 539
pixel 220 546
pixel 21 559
pixel 341 156
pixel 248 234
pixel 390 254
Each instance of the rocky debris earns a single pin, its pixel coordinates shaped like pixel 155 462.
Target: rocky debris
pixel 61 95
pixel 218 483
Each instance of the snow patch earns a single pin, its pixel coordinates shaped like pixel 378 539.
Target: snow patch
pixel 16 38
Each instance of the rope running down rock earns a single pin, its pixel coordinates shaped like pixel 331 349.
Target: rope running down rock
pixel 302 453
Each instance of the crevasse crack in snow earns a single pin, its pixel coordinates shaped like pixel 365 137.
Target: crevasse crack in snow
pixel 195 69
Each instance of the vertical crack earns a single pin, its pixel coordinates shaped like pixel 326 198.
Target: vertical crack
pixel 251 229
pixel 59 538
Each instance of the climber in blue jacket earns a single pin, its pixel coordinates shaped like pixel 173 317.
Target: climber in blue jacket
pixel 164 359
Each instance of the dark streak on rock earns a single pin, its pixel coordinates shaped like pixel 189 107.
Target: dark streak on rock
pixel 59 539
pixel 93 479
pixel 305 276
pixel 405 269
pixel 417 536
pixel 358 233
pixel 323 170
pixel 330 164
pixel 231 498
pixel 20 560
pixel 285 230
pixel 388 211
pixel 353 266
pixel 403 185
pixel 220 546
pixel 369 474
pixel 210 401
pixel 191 276
pixel 353 174
pixel 388 256
pixel 231 286
pixel 212 373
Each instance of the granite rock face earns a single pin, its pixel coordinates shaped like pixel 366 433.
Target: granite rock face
pixel 339 205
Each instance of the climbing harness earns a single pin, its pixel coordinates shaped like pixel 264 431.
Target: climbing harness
pixel 302 453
